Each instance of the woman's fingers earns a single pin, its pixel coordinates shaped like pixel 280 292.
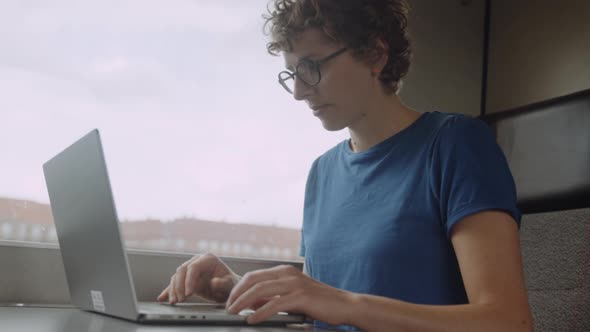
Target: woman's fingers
pixel 193 280
pixel 179 282
pixel 252 278
pixel 172 292
pixel 259 303
pixel 164 295
pixel 248 280
pixel 272 307
pixel 260 291
pixel 187 280
pixel 208 277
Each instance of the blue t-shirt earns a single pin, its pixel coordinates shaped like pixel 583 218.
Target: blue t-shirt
pixel 379 221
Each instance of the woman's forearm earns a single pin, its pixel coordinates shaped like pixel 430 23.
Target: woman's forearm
pixel 374 313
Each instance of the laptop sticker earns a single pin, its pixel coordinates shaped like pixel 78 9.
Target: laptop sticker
pixel 97 300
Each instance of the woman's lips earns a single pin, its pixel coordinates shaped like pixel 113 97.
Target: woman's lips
pixel 318 110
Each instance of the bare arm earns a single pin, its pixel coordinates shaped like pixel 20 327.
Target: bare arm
pixel 488 251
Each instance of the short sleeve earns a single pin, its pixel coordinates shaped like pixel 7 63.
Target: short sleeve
pixel 470 173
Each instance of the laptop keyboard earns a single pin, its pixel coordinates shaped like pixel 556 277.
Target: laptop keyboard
pixel 180 308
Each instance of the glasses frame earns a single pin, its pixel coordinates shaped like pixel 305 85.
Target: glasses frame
pixel 312 64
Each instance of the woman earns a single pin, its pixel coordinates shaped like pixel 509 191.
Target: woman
pixel 411 224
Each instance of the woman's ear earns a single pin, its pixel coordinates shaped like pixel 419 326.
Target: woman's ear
pixel 379 56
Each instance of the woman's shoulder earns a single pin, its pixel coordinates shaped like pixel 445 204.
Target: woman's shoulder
pixel 327 158
pixel 458 126
pixel 449 119
pixel 331 154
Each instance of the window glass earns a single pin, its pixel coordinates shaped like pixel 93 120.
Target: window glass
pixel 205 150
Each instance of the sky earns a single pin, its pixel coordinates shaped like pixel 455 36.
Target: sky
pixel 184 93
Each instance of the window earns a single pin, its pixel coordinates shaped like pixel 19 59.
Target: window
pixel 206 151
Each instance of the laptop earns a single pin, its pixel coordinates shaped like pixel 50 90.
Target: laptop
pixel 94 257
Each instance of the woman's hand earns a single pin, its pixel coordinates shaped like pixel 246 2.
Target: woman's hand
pixel 285 288
pixel 205 276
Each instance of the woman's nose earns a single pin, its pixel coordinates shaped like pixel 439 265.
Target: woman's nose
pixel 301 89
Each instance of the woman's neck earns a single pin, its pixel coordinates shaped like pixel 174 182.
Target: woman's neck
pixel 381 122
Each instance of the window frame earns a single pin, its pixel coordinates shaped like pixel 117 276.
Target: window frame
pixel 30 266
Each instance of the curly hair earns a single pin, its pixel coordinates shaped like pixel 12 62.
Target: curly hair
pixel 361 25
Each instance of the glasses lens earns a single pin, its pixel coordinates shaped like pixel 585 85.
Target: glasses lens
pixel 287 81
pixel 308 72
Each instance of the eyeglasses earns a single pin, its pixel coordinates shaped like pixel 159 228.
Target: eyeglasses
pixel 307 71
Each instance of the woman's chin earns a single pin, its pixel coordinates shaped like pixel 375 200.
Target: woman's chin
pixel 332 126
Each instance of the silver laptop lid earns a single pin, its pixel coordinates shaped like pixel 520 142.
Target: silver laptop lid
pixel 88 229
